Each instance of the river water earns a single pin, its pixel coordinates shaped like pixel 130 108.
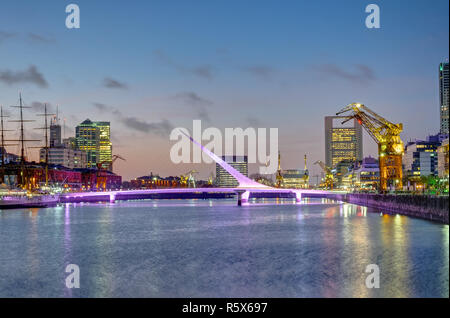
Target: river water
pixel 213 248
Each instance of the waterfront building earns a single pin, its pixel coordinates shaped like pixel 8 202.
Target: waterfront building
pixel 35 176
pixel 367 174
pixel 155 181
pixel 342 142
pixel 420 158
pixel 67 157
pixel 443 153
pixel 444 96
pixel 94 139
pixel 99 180
pixel 226 180
pixel 9 157
pixel 340 172
pixel 295 178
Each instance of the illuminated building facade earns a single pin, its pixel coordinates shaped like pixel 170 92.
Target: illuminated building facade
pixel 342 142
pixel 226 180
pixel 443 153
pixel 421 158
pixel 444 96
pixel 94 139
pixel 105 145
pixel 67 157
pixel 295 178
pixel 365 176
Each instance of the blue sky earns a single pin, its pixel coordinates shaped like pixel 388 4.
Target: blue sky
pixel 148 66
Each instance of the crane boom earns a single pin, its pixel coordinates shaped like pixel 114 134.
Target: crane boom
pixel 387 135
pixel 328 174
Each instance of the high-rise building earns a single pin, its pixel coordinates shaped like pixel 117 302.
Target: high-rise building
pixel 342 142
pixel 444 96
pixel 55 135
pixel 226 180
pixel 94 138
pixel 105 145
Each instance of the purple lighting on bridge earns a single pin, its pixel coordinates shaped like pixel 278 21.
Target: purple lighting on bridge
pixel 244 182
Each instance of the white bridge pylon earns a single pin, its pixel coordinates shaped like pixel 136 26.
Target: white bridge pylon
pixel 245 184
pixel 243 181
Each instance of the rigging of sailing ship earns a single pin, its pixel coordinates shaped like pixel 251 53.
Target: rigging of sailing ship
pixel 46 146
pixel 22 140
pixel 3 130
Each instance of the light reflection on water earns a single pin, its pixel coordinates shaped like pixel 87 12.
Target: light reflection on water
pixel 212 248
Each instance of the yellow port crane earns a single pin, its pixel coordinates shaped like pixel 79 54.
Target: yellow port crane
pixel 102 172
pixel 328 174
pixel 188 179
pixel 387 136
pixel 279 176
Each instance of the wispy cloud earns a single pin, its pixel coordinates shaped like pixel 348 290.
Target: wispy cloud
pixel 112 83
pixel 161 128
pixel 261 71
pixel 363 74
pixel 38 38
pixel 39 107
pixel 191 98
pixel 101 107
pixel 6 35
pixel 253 122
pixel 198 103
pixel 205 71
pixel 31 75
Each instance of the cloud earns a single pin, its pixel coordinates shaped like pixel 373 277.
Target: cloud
pixel 261 71
pixel 198 103
pixel 253 122
pixel 40 38
pixel 39 107
pixel 6 35
pixel 101 107
pixel 192 98
pixel 205 71
pixel 363 73
pixel 162 128
pixel 31 75
pixel 112 83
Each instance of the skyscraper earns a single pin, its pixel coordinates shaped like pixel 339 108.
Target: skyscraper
pixel 94 138
pixel 444 96
pixel 55 135
pixel 226 180
pixel 105 146
pixel 342 142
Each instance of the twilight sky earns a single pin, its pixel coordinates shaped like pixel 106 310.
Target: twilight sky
pixel 149 66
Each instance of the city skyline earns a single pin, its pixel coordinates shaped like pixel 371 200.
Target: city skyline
pixel 184 70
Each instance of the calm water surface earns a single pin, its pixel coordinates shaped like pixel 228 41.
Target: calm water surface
pixel 201 248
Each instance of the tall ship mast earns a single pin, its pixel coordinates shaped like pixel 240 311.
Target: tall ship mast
pixel 46 146
pixel 22 140
pixel 2 129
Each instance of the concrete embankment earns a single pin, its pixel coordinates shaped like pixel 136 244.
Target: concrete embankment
pixel 434 208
